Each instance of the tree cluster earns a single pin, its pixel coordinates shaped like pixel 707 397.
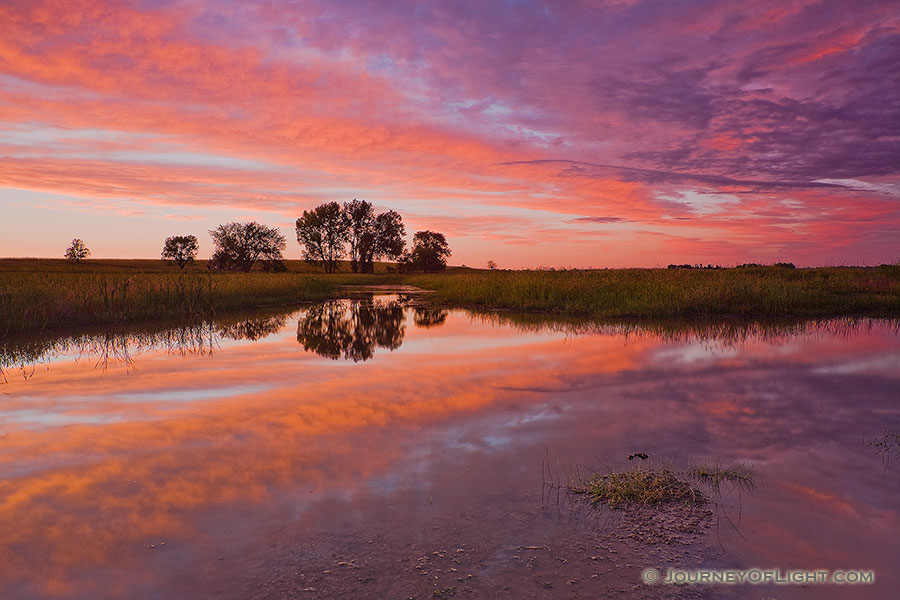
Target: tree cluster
pixel 327 234
pixel 330 231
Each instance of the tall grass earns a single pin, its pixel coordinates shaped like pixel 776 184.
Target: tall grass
pixel 48 294
pixel 38 299
pixel 668 293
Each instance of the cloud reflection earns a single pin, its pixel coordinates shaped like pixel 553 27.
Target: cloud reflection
pixel 273 435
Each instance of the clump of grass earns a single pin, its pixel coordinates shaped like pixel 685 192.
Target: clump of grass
pixel 888 445
pixel 638 485
pixel 738 475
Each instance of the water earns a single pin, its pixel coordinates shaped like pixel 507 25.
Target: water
pixel 373 448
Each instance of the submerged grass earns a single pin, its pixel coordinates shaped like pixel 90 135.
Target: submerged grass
pixel 676 293
pixel 641 484
pixel 638 485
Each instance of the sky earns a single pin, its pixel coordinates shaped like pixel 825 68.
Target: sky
pixel 535 134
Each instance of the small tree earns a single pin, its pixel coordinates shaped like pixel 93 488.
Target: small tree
pixel 77 250
pixel 491 265
pixel 238 246
pixel 180 248
pixel 430 252
pixel 323 232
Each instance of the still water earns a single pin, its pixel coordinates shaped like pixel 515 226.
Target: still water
pixel 373 448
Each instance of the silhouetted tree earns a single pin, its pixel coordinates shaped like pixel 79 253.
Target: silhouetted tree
pixel 240 245
pixel 372 236
pixel 389 240
pixel 180 248
pixel 361 233
pixel 323 232
pixel 77 250
pixel 491 265
pixel 429 253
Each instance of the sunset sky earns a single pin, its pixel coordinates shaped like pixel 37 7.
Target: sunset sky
pixel 617 133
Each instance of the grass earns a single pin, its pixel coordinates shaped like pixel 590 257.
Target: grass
pixel 676 293
pixel 888 445
pixel 638 485
pixel 40 295
pixel 643 484
pixel 738 475
pixel 43 294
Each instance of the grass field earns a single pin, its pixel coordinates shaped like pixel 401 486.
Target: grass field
pixel 757 292
pixel 37 295
pixel 40 294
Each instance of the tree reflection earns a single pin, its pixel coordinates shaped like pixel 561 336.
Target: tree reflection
pixel 351 329
pixel 429 317
pixel 252 329
pixel 117 346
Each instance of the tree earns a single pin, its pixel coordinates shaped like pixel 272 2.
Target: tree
pixel 491 265
pixel 389 239
pixel 372 236
pixel 322 232
pixel 77 250
pixel 241 245
pixel 430 252
pixel 180 248
pixel 361 233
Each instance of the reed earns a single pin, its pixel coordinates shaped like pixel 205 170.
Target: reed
pixel 40 294
pixel 674 293
pixel 45 297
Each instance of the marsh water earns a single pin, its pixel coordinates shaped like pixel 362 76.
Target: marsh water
pixel 376 448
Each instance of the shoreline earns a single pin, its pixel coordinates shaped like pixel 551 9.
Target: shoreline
pixel 39 296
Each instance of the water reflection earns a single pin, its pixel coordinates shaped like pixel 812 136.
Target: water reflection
pixel 252 329
pixel 342 329
pixel 430 317
pixel 257 463
pixel 351 329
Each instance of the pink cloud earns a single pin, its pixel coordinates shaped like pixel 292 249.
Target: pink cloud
pixel 471 104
